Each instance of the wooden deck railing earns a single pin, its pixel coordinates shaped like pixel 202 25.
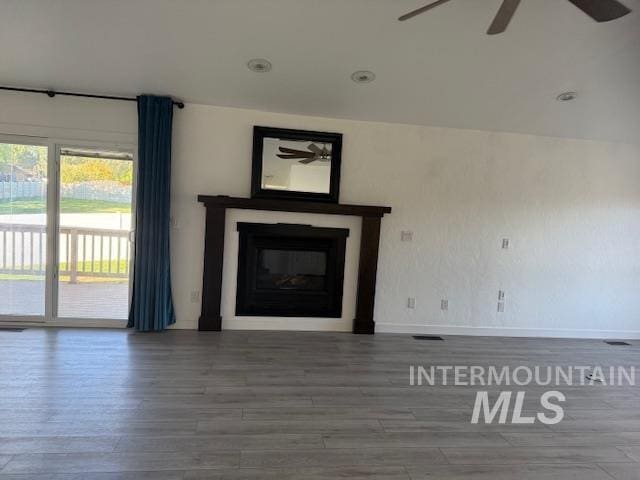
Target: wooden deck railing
pixel 84 252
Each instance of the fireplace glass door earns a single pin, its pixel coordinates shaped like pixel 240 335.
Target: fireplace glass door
pixel 279 269
pixel 290 270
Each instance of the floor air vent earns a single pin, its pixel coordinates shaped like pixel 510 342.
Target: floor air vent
pixel 11 329
pixel 617 343
pixel 427 337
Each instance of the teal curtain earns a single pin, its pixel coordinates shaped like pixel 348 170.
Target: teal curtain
pixel 151 303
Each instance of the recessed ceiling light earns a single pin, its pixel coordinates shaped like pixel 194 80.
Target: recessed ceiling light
pixel 566 96
pixel 363 76
pixel 259 65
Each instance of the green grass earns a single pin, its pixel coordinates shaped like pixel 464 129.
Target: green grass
pixel 81 267
pixel 11 276
pixel 67 205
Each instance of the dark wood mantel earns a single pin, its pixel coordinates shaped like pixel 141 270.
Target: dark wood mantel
pixel 221 201
pixel 210 319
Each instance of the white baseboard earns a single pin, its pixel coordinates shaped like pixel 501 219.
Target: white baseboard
pixel 506 331
pixel 380 328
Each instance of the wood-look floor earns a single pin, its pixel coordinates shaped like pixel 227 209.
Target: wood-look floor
pixel 182 405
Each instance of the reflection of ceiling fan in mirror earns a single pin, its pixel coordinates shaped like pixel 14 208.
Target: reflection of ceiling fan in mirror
pixel 599 10
pixel 312 154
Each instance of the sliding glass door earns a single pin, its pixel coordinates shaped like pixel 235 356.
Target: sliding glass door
pixel 94 230
pixel 83 195
pixel 23 229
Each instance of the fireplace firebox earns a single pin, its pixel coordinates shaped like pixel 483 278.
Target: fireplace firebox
pixel 287 270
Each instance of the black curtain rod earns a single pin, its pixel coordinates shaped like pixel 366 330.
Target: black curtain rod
pixel 53 93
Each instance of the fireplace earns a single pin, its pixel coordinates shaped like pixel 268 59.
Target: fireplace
pixel 216 211
pixel 287 270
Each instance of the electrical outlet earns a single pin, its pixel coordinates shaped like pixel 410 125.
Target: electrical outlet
pixel 411 303
pixel 444 304
pixel 195 296
pixel 406 236
pixel 505 243
pixel 500 295
pixel 500 307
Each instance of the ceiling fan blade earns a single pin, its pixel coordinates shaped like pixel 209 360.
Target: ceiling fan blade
pixel 290 157
pixel 307 160
pixel 301 153
pixel 290 150
pixel 422 10
pixel 503 17
pixel 315 149
pixel 602 10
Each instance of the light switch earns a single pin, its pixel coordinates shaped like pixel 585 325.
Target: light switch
pixel 406 236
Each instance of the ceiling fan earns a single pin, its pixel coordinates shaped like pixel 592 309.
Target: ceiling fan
pixel 313 154
pixel 599 10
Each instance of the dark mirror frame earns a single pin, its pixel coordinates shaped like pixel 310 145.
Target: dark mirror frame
pixel 335 139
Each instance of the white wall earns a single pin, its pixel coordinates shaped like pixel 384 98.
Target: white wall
pixel 571 209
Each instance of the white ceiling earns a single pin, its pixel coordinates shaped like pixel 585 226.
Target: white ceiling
pixel 437 69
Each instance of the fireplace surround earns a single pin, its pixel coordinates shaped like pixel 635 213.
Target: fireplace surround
pixel 216 207
pixel 287 270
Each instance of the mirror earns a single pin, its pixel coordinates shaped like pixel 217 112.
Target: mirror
pixel 296 164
